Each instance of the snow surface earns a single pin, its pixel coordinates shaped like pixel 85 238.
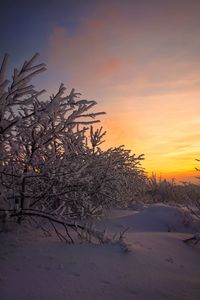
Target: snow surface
pixel 157 265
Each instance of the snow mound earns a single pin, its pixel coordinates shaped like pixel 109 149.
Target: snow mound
pixel 158 266
pixel 154 218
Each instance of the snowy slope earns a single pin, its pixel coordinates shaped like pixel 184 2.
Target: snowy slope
pixel 158 266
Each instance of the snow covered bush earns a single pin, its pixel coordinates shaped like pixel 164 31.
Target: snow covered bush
pixel 51 165
pixel 184 193
pixel 162 190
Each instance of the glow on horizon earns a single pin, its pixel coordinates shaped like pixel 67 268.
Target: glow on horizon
pixel 141 63
pixel 168 135
pixel 145 81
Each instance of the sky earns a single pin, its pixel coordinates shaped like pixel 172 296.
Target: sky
pixel 139 59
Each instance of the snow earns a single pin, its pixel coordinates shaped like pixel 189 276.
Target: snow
pixel 157 265
pixel 154 218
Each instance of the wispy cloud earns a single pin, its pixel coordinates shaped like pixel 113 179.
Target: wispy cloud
pixel 142 63
pixel 115 31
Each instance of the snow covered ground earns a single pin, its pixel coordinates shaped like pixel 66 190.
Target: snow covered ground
pixel 157 266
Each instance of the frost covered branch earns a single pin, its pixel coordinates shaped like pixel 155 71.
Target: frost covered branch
pixel 51 160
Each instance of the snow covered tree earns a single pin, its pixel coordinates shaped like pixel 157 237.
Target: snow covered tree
pixel 51 165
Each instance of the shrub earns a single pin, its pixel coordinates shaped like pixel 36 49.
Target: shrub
pixel 51 165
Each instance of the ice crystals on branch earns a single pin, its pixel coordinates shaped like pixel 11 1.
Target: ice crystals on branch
pixel 51 162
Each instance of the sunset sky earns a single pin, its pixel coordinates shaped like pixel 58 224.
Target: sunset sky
pixel 139 59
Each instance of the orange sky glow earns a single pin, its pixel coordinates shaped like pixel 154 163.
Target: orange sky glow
pixel 146 76
pixel 141 64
